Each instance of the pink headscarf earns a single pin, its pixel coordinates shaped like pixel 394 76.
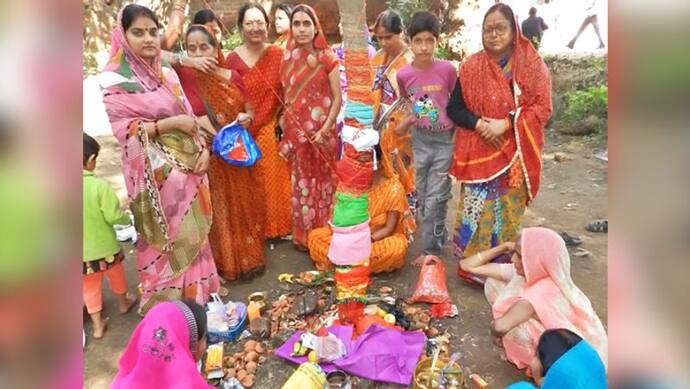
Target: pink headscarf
pixel 134 91
pixel 549 288
pixel 159 354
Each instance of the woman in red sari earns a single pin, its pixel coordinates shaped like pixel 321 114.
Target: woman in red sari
pixel 501 102
pixel 259 65
pixel 311 81
pixel 237 232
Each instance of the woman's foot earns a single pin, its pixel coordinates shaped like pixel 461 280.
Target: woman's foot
pixel 99 329
pixel 128 302
pixel 419 261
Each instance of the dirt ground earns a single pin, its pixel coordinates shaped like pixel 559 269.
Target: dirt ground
pixel 574 192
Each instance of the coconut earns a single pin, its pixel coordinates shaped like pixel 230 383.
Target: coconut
pixel 247 381
pixel 251 367
pixel 241 374
pixel 252 356
pixel 250 345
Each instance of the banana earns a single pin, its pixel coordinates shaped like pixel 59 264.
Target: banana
pixel 286 277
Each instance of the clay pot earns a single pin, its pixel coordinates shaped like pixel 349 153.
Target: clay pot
pixel 241 374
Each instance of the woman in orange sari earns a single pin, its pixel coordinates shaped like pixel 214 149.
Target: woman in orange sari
pixel 237 232
pixel 259 65
pixel 311 80
pixel 501 102
pixel 393 55
pixel 391 224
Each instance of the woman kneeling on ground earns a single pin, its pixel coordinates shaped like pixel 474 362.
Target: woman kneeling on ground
pixel 391 222
pixel 534 293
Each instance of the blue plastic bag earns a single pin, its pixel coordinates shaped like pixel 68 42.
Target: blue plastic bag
pixel 235 146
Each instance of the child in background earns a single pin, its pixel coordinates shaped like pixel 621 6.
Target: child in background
pixel 428 83
pixel 102 254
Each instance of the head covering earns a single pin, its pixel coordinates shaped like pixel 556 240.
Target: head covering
pixel 548 286
pixel 219 51
pixel 134 91
pixel 487 93
pixel 160 353
pixel 579 368
pixel 320 42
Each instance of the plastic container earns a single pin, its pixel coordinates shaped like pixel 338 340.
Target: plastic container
pixel 307 376
pixel 233 333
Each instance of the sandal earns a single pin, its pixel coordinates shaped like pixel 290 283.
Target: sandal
pixel 598 226
pixel 571 240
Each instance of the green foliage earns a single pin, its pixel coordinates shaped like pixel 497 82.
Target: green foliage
pixel 406 8
pixel 232 40
pixel 584 103
pixel 89 64
pixel 442 53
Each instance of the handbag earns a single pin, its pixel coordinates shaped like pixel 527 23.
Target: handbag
pixel 235 145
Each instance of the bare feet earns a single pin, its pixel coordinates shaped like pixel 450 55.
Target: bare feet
pixel 99 329
pixel 419 261
pixel 127 303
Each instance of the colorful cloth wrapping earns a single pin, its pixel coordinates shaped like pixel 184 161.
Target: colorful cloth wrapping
pixel 350 210
pixel 350 245
pixel 362 113
pixel 351 284
pixel 354 175
pixel 362 139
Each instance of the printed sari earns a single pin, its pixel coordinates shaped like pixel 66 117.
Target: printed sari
pixel 263 93
pixel 549 288
pixel 497 185
pixel 385 93
pixel 237 232
pixel 171 206
pixel 308 100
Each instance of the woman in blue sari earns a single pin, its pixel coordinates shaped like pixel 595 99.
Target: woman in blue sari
pixel 567 362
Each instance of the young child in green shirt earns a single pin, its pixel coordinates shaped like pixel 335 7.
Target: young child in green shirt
pixel 102 254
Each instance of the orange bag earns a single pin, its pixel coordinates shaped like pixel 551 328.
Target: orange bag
pixel 431 285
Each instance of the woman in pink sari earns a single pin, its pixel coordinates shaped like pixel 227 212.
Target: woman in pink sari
pixel 164 348
pixel 164 163
pixel 533 294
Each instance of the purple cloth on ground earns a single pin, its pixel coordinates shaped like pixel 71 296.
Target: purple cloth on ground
pixel 383 354
pixel 379 354
pixel 343 333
